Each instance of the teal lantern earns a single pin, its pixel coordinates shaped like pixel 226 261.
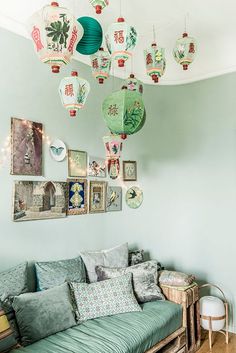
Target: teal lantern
pixel 124 112
pixel 92 38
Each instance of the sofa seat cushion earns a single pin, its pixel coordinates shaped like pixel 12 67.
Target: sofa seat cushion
pixel 122 333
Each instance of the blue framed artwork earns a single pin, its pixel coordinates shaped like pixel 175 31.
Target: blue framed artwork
pixel 77 202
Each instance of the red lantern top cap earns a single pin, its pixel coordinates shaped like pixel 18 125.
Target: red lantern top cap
pixel 101 49
pixel 185 34
pixel 154 44
pixel 121 19
pixel 54 3
pixel 124 87
pixel 74 73
pixel 131 75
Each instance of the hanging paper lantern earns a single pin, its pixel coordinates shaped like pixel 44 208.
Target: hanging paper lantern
pixel 73 91
pixel 120 38
pixel 124 112
pixel 99 5
pixel 113 148
pixel 101 65
pixel 185 50
pixel 55 33
pixel 92 37
pixel 133 84
pixel 155 62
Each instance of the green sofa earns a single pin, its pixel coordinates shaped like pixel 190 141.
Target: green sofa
pixel 135 332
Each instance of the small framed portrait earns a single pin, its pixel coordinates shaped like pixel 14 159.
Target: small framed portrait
pixel 77 201
pixel 129 170
pixel 97 167
pixel 97 196
pixel 77 163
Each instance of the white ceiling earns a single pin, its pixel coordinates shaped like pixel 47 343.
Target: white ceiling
pixel 211 22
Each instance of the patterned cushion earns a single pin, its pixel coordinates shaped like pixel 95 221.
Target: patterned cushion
pixel 145 277
pixel 12 282
pixel 54 273
pixel 136 257
pixel 114 257
pixel 7 339
pixel 105 298
pixel 177 279
pixel 44 313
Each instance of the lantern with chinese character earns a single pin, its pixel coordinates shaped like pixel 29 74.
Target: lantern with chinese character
pixel 99 5
pixel 101 65
pixel 73 91
pixel 55 33
pixel 113 147
pixel 124 112
pixel 120 39
pixel 185 50
pixel 133 84
pixel 155 62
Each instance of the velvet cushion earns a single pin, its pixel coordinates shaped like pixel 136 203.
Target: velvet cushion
pixel 105 298
pixel 54 273
pixel 145 277
pixel 44 313
pixel 114 257
pixel 12 282
pixel 175 278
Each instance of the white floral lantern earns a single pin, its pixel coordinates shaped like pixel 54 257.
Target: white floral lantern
pixel 101 65
pixel 73 91
pixel 99 5
pixel 155 62
pixel 121 38
pixel 133 84
pixel 55 33
pixel 113 147
pixel 185 50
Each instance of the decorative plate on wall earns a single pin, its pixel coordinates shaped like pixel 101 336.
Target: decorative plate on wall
pixel 58 150
pixel 134 197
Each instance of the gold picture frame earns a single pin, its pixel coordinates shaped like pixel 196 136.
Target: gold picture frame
pixel 97 196
pixel 129 170
pixel 77 163
pixel 77 196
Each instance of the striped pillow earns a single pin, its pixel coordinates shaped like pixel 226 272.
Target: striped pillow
pixel 7 339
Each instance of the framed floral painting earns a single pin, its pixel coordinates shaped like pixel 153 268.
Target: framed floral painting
pixel 97 196
pixel 77 163
pixel 129 170
pixel 114 198
pixel 97 167
pixel 77 201
pixel 26 147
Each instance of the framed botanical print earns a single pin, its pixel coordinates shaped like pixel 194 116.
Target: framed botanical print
pixel 129 171
pixel 77 163
pixel 77 200
pixel 26 147
pixel 97 196
pixel 114 198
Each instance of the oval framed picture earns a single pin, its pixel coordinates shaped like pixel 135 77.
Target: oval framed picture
pixel 134 197
pixel 58 150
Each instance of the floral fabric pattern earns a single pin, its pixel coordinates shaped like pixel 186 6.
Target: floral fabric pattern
pixel 105 298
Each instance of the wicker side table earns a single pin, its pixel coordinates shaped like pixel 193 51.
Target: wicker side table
pixel 188 297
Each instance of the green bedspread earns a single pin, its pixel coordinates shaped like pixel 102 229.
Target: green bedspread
pixel 124 333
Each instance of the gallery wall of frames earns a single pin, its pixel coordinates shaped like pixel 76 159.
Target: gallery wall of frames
pixel 86 190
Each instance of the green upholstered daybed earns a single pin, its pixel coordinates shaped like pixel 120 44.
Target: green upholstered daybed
pixel 135 332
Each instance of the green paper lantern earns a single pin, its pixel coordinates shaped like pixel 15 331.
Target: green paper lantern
pixel 92 38
pixel 124 112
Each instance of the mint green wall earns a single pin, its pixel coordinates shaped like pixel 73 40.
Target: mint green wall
pixel 186 157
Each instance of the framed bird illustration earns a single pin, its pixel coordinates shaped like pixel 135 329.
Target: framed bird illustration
pixel 114 198
pixel 134 197
pixel 58 150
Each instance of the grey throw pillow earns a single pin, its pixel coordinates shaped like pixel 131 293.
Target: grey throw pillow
pixel 145 277
pixel 105 298
pixel 53 273
pixel 42 314
pixel 114 257
pixel 12 282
